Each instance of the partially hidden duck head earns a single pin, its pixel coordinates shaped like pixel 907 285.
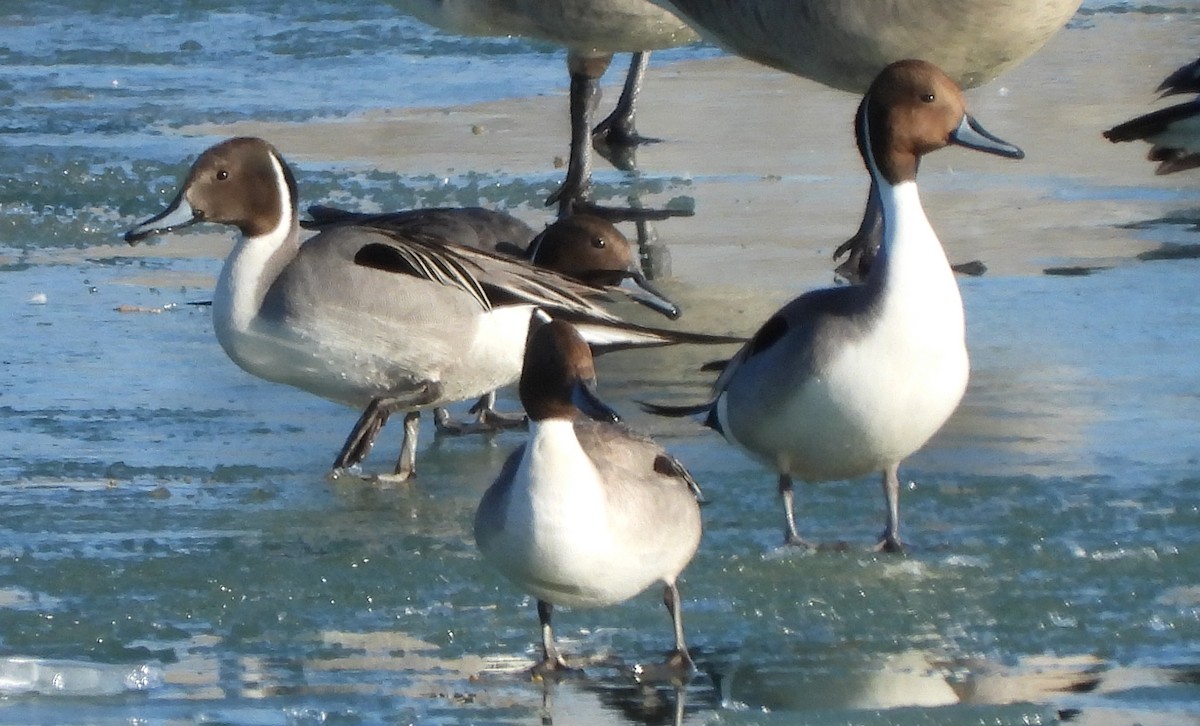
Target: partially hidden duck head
pixel 558 376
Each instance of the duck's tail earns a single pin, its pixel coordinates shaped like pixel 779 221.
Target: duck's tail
pixel 605 337
pixel 708 408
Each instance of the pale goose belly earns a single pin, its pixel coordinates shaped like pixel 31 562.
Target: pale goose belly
pixel 592 26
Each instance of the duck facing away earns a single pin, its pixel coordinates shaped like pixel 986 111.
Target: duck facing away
pixel 1173 132
pixel 848 380
pixel 586 513
pixel 368 317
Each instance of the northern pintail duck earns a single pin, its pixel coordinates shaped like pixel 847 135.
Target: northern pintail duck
pixel 844 44
pixel 591 31
pixel 1173 132
pixel 584 247
pixel 368 317
pixel 848 380
pixel 585 513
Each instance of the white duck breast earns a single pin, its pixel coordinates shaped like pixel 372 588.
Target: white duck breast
pixel 580 536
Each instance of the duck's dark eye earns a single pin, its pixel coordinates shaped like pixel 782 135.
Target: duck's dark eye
pixel 927 98
pixel 222 175
pixel 598 243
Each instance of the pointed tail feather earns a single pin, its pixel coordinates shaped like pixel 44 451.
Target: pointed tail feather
pixel 708 408
pixel 675 411
pixel 604 337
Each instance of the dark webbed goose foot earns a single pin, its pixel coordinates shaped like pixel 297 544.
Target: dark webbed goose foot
pixel 616 135
pixel 573 195
pixel 616 138
pixel 619 146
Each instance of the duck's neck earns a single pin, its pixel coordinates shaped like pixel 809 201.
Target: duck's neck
pixel 253 265
pixel 556 458
pixel 910 255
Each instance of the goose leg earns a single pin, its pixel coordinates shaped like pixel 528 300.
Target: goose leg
pixel 790 537
pixel 573 196
pixel 585 88
pixel 890 540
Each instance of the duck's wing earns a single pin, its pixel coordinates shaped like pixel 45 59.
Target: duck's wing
pixel 477 227
pixel 669 466
pixel 798 325
pixel 493 280
pixel 630 457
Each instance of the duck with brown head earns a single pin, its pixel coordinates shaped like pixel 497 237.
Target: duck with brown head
pixel 585 247
pixel 848 380
pixel 586 513
pixel 363 316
